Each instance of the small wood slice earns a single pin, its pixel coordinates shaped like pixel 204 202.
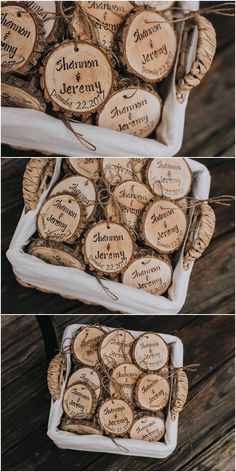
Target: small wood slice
pixel 115 348
pixel 123 380
pixel 77 78
pixel 79 401
pixel 83 189
pixel 19 93
pixel 48 13
pixel 160 6
pixel 22 38
pixel 163 226
pixel 80 26
pixel 56 374
pixel 89 377
pixel 80 426
pixel 86 166
pixel 132 110
pixel 85 345
pixel 56 254
pixel 169 178
pixel 150 352
pixel 108 248
pixel 148 45
pixel 115 417
pixel 152 392
pixel 60 218
pixel 179 392
pixel 150 273
pixel 147 428
pixel 116 171
pixel 36 179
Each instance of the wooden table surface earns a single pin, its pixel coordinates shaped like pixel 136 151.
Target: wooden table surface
pixel 209 124
pixel 211 288
pixel 206 426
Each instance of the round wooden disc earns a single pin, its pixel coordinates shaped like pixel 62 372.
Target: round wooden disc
pixel 60 218
pixel 123 380
pixel 89 377
pixel 108 248
pixel 119 170
pixel 86 166
pixel 148 45
pixel 47 12
pixel 132 110
pixel 150 352
pixel 18 93
pixel 82 188
pixel 80 426
pixel 149 273
pixel 22 36
pixel 77 78
pixel 85 345
pixel 56 254
pixel 152 392
pixel 115 348
pixel 169 178
pixel 160 6
pixel 115 416
pixel 147 428
pixel 132 197
pixel 164 225
pixel 79 401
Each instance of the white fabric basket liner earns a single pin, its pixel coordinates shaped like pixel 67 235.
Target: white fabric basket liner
pixel 74 283
pixel 31 129
pixel 97 443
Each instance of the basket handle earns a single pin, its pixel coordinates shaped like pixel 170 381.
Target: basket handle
pixel 55 375
pixel 206 48
pixel 200 233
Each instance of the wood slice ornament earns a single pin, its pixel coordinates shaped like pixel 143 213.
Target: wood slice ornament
pixel 79 401
pixel 21 94
pixel 115 348
pixel 151 273
pixel 115 417
pixel 152 392
pixel 163 226
pixel 61 218
pixel 77 78
pixel 108 248
pixel 123 380
pixel 36 179
pixel 119 170
pixel 87 166
pixel 88 376
pixel 147 428
pixel 169 178
pixel 56 254
pixel 85 345
pixel 148 45
pixel 48 12
pixel 80 426
pixel 150 352
pixel 83 189
pixel 134 110
pixel 22 37
pixel 55 375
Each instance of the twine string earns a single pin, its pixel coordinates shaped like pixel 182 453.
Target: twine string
pixel 87 144
pixel 108 292
pixel 224 9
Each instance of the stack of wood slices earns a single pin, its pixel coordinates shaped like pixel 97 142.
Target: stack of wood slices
pixel 118 385
pixel 122 219
pixel 98 62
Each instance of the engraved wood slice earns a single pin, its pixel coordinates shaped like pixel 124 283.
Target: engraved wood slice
pixel 148 45
pixel 163 225
pixel 115 348
pixel 160 6
pixel 152 392
pixel 18 93
pixel 115 417
pixel 150 352
pixel 89 377
pixel 56 254
pixel 169 178
pixel 123 380
pixel 108 248
pixel 119 170
pixel 87 166
pixel 77 78
pixel 80 426
pixel 85 345
pixel 83 189
pixel 48 13
pixel 60 218
pixel 150 273
pixel 79 401
pixel 132 110
pixel 22 38
pixel 147 428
